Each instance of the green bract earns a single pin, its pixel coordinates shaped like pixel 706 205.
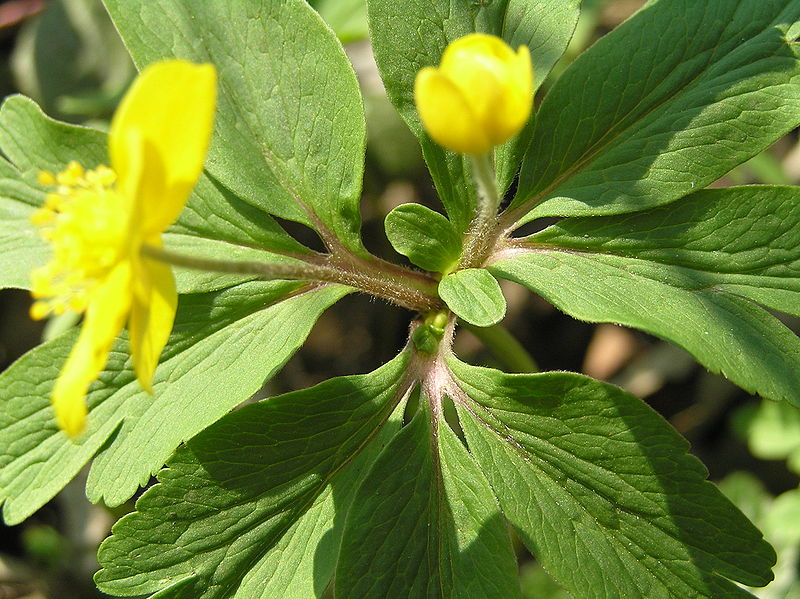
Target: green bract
pixel 412 481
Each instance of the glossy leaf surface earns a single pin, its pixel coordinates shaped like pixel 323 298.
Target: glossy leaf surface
pixel 665 104
pixel 692 273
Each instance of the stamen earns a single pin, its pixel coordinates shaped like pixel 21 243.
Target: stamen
pixel 84 221
pixel 46 178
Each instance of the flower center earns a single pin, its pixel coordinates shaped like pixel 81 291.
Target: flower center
pixel 85 222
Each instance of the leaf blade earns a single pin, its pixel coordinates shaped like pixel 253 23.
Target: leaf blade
pixel 745 240
pixel 691 273
pixel 274 334
pixel 662 104
pixel 248 493
pixel 289 133
pixel 724 333
pixel 553 446
pixel 425 237
pixel 424 523
pixel 38 459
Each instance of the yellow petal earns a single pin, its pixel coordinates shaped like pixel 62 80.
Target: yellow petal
pixel 446 115
pixel 479 65
pixel 152 315
pixel 476 44
pixel 513 105
pixel 495 84
pixel 69 392
pixel 105 317
pixel 522 72
pixel 170 108
pixel 481 80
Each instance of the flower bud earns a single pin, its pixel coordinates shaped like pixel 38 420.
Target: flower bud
pixel 480 95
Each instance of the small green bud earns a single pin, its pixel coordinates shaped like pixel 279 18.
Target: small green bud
pixel 426 338
pixel 427 335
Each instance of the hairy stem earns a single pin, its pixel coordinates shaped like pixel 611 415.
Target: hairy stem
pixel 376 277
pixel 482 233
pixel 488 194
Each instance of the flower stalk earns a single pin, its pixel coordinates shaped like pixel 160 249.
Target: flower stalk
pixel 480 236
pixel 395 284
pixel 488 194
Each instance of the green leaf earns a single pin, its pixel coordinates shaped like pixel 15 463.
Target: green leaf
pixel 254 505
pixel 663 105
pixel 781 526
pixel 426 237
pixel 725 333
pixel 748 494
pixel 215 213
pixel 602 491
pixel 223 347
pixel 33 142
pixel 289 131
pixel 688 273
pixel 779 518
pixel 424 523
pixel 407 36
pixel 21 248
pixel 783 521
pixel 740 240
pixel 474 295
pixel 223 371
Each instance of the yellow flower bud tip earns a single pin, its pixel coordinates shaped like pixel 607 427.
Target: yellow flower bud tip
pixel 480 96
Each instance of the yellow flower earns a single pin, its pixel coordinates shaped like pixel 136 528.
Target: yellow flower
pixel 98 221
pixel 480 96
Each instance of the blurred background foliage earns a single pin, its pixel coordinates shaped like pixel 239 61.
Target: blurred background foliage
pixel 66 55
